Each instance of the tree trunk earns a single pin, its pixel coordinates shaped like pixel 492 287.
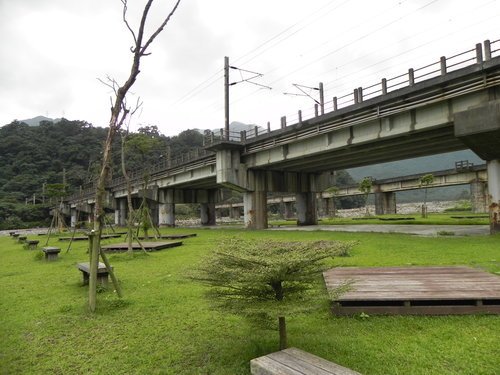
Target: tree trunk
pixel 130 215
pixel 282 330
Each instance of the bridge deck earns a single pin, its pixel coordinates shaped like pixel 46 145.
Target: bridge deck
pixel 415 290
pixel 148 246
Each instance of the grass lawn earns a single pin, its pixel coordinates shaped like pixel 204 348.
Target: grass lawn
pixel 164 325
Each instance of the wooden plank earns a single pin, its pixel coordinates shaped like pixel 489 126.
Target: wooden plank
pixel 148 246
pixel 171 236
pixel 298 364
pixel 293 361
pixel 321 362
pixel 267 366
pixel 416 310
pixel 424 286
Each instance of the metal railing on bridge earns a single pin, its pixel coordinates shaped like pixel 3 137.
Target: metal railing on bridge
pixel 480 53
pixel 137 176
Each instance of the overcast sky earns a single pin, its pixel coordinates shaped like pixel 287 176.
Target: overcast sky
pixel 53 51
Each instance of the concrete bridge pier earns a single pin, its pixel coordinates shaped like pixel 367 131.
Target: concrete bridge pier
pixel 385 203
pixel 306 209
pixel 74 220
pixel 121 212
pixel 478 196
pixel 208 212
pixel 330 207
pixel 234 213
pixel 255 202
pixel 166 208
pixel 493 167
pixel 288 209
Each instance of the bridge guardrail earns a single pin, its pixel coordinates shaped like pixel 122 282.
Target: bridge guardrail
pixel 138 174
pixel 478 54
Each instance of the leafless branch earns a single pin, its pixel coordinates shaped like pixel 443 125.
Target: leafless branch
pixel 159 29
pixel 124 15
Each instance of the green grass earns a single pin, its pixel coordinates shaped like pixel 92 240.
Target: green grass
pixel 164 325
pixel 467 218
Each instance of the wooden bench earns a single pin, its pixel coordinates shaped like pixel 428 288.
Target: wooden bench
pixel 293 361
pixel 102 273
pixel 31 244
pixel 21 239
pixel 51 253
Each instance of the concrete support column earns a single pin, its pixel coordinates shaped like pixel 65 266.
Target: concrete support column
pixel 255 206
pixel 73 218
pixel 234 213
pixel 306 209
pixel 493 167
pixel 385 203
pixel 208 213
pixel 288 206
pixel 478 197
pixel 321 206
pixel 255 202
pixel 121 220
pixel 330 207
pixel 166 208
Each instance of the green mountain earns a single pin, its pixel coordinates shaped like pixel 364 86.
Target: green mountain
pixel 423 165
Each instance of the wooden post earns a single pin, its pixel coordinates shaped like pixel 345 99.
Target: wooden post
pixel 112 274
pixel 94 264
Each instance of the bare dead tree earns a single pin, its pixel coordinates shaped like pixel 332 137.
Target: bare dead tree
pixel 119 113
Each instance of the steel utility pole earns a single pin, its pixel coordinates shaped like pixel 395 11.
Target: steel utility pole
pixel 226 98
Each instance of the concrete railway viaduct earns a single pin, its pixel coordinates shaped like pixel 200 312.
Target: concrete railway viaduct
pixel 452 104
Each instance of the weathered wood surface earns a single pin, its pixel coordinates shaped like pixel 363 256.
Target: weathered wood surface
pixel 148 246
pixel 293 361
pixel 85 237
pixel 171 236
pixel 420 290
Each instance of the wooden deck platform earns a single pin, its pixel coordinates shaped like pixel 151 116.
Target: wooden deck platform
pixel 149 246
pixel 172 236
pixel 415 290
pixel 85 237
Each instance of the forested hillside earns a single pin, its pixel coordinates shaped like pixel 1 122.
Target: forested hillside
pixel 35 158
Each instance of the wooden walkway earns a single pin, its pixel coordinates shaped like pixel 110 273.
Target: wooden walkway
pixel 148 246
pixel 415 290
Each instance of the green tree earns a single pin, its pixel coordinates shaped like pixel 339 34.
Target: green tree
pixel 365 186
pixel 425 181
pixel 268 279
